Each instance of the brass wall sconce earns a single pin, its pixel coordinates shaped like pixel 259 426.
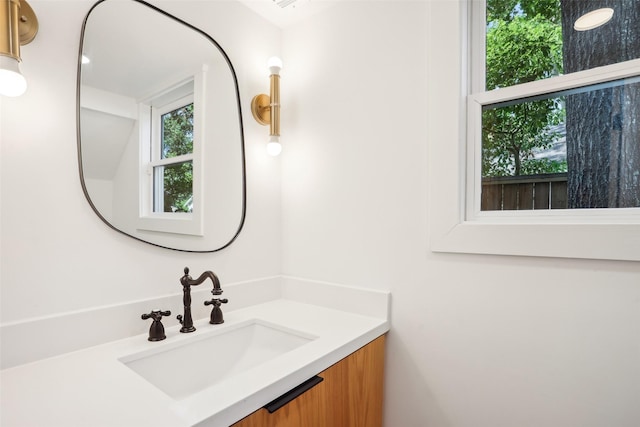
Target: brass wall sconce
pixel 266 108
pixel 19 26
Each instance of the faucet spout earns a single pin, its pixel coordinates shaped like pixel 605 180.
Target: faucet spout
pixel 187 281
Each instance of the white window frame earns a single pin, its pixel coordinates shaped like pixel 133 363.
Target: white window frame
pixel 150 110
pixel 457 224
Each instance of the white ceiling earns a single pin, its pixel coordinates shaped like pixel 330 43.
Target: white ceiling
pixel 136 53
pixel 284 13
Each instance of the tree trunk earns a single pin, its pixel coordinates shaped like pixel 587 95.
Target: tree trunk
pixel 603 136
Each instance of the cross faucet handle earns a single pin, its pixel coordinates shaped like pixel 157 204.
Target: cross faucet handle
pixel 216 312
pixel 156 330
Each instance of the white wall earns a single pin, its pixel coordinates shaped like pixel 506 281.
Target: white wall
pixel 57 256
pixel 476 341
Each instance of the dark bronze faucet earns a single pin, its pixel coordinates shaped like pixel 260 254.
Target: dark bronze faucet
pixel 187 282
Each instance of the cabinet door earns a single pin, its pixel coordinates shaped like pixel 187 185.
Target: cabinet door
pixel 349 396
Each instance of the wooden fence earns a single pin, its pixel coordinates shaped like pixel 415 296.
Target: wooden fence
pixel 545 191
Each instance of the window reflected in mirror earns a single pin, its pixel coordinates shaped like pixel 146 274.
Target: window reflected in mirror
pixel 172 157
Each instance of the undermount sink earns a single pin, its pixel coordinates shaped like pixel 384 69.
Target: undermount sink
pixel 183 368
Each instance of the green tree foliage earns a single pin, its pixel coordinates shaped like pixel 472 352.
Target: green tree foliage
pixel 524 44
pixel 177 140
pixel 506 10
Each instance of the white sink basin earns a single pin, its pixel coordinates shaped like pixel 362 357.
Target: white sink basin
pixel 186 367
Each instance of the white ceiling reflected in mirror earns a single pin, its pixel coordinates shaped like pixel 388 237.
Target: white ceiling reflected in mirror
pixel 160 139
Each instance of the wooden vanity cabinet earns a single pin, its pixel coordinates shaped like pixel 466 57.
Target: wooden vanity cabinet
pixel 349 396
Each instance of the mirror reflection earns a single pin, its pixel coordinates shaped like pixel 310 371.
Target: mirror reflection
pixel 161 148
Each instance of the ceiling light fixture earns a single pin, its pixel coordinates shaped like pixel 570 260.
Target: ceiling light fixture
pixel 266 108
pixel 593 19
pixel 19 26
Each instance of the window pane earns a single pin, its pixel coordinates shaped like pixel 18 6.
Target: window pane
pixel 529 40
pixel 177 132
pixel 173 188
pixel 575 149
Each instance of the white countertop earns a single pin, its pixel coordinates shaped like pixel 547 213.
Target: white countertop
pixel 92 387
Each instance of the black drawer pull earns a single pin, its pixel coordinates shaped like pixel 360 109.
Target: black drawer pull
pixel 279 402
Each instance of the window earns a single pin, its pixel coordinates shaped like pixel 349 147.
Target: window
pixel 584 97
pixel 558 107
pixel 170 158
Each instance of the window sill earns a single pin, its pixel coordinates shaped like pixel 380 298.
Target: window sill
pixel 176 223
pixel 590 241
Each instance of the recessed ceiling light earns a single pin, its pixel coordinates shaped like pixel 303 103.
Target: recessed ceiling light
pixel 593 19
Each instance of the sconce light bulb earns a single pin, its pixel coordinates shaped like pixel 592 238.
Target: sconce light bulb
pixel 273 146
pixel 275 65
pixel 12 82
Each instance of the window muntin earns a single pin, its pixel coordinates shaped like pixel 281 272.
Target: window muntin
pixel 536 41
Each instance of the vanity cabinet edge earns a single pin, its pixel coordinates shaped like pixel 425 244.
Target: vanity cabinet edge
pixel 351 395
